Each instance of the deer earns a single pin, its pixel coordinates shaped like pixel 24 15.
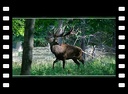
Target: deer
pixel 64 51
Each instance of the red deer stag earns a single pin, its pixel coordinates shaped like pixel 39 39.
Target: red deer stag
pixel 64 51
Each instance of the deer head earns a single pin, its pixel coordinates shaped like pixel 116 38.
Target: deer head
pixel 52 37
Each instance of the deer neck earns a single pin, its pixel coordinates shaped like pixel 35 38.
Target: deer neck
pixel 56 48
pixel 52 44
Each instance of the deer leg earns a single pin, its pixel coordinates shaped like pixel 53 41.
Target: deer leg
pixel 55 62
pixel 82 61
pixel 63 64
pixel 78 64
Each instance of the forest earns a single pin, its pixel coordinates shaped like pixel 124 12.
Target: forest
pixel 95 36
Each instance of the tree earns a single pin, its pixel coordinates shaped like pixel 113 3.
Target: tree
pixel 83 25
pixel 60 29
pixel 27 47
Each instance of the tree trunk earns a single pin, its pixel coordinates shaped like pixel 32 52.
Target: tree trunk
pixel 60 28
pixel 27 47
pixel 83 46
pixel 83 37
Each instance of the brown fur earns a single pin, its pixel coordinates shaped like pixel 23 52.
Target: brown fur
pixel 64 52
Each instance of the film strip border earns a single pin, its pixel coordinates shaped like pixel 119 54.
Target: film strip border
pixel 121 50
pixel 6 46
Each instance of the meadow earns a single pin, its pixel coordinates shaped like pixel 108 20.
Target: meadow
pixel 104 66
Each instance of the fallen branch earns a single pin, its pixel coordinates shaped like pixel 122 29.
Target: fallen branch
pixel 91 55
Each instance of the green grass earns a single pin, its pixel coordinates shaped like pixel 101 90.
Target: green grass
pixel 106 66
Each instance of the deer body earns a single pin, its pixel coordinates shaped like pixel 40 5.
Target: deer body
pixel 65 51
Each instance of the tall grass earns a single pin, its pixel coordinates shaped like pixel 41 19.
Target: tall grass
pixel 104 66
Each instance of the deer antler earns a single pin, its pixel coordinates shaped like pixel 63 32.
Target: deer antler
pixel 59 32
pixel 70 32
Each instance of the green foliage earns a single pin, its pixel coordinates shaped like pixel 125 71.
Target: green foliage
pixel 39 42
pixel 94 67
pixel 42 26
pixel 18 28
pixel 104 25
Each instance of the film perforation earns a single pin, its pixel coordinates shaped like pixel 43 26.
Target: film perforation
pixel 5 18
pixel 6 56
pixel 5 46
pixel 121 66
pixel 121 37
pixel 6 8
pixel 121 18
pixel 5 27
pixel 121 8
pixel 5 75
pixel 121 47
pixel 5 37
pixel 5 85
pixel 5 66
pixel 121 85
pixel 121 75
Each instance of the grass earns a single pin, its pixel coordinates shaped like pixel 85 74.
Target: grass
pixel 93 67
